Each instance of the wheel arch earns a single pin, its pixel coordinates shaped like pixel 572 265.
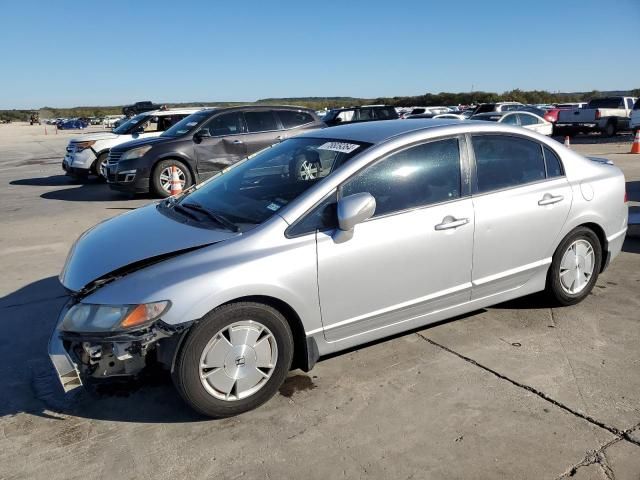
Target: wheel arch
pixel 602 237
pixel 301 346
pixel 305 350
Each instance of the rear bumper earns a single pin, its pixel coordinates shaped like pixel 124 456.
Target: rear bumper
pixel 614 247
pixel 586 126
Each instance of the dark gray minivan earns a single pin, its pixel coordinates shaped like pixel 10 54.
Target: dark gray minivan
pixel 203 144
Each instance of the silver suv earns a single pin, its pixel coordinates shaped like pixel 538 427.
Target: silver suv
pixel 329 240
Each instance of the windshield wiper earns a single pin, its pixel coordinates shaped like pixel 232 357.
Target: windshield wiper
pixel 184 211
pixel 221 219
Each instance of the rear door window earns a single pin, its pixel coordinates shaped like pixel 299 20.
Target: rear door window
pixel 292 119
pixel 260 121
pixel 385 113
pixel 504 161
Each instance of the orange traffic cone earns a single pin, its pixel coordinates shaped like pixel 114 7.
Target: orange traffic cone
pixel 567 143
pixel 175 185
pixel 635 146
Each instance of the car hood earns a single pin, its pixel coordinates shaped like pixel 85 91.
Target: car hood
pixel 130 242
pixel 141 142
pixel 95 137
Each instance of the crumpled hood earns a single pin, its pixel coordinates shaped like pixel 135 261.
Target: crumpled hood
pixel 128 239
pixel 95 137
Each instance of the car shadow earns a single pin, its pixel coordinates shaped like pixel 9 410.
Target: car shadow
pixel 86 190
pixel 30 385
pixel 595 138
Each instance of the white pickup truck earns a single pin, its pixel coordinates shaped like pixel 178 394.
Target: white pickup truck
pixel 606 115
pixel 88 153
pixel 634 122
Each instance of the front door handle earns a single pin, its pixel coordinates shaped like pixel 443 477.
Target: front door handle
pixel 237 142
pixel 549 199
pixel 451 222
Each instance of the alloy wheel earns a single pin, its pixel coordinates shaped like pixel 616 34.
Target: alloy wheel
pixel 165 178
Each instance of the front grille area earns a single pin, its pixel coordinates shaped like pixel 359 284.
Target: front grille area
pixel 113 157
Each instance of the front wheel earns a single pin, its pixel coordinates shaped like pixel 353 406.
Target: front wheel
pixel 575 267
pixel 161 177
pixel 99 167
pixel 234 359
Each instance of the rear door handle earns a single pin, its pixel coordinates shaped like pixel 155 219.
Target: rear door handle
pixel 237 142
pixel 451 222
pixel 549 199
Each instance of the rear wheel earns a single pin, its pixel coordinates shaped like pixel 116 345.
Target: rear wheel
pixel 610 129
pixel 575 267
pixel 161 177
pixel 234 359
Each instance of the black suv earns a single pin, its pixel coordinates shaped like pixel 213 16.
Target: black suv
pixel 364 113
pixel 201 145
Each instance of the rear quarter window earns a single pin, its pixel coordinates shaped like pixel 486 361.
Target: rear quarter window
pixel 292 119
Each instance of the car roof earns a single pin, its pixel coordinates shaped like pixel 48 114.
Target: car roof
pixel 171 111
pixel 379 131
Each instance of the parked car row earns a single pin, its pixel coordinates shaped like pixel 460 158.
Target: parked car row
pixel 139 155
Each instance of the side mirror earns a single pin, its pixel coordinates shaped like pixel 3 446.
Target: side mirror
pixel 352 210
pixel 200 134
pixel 138 130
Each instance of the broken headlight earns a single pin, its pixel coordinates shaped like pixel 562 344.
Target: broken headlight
pixel 86 317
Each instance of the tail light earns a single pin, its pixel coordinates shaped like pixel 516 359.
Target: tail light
pixel 597 114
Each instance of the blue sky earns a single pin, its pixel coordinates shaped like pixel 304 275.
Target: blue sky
pixel 67 53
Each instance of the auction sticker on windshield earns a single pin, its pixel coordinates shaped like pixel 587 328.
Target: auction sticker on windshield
pixel 339 147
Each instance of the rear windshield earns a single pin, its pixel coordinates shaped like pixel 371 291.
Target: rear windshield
pixel 187 124
pixel 488 118
pixel 607 102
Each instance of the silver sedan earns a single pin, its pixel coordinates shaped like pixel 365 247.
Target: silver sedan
pixel 329 240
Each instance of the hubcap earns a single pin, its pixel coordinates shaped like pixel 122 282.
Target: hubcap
pixel 308 171
pixel 576 267
pixel 165 178
pixel 238 361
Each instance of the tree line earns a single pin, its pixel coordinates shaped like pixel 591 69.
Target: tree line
pixel 318 103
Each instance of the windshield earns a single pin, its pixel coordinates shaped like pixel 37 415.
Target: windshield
pixel 187 124
pixel 253 190
pixel 131 124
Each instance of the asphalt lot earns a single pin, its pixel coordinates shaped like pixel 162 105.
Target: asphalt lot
pixel 517 391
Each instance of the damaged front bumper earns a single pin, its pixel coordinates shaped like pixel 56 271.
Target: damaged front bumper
pixel 77 357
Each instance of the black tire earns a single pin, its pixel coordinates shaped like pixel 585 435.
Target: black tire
pixel 186 372
pixel 156 185
pixel 95 168
pixel 554 285
pixel 610 130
